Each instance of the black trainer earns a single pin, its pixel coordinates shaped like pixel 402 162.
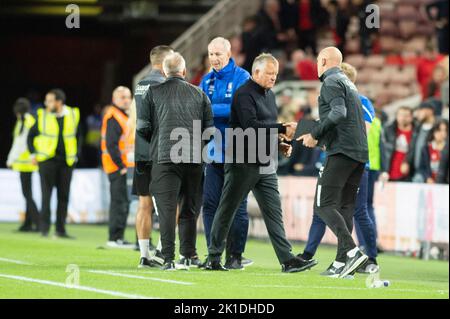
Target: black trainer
pixel 297 264
pixel 246 261
pixel 234 263
pixel 158 258
pixel 305 256
pixel 215 265
pixel 183 264
pixel 332 271
pixel 353 263
pixel 146 263
pixel 370 267
pixel 169 266
pixel 196 262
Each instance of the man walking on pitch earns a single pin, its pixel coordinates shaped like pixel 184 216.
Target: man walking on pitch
pixel 142 157
pixel 254 111
pixel 342 131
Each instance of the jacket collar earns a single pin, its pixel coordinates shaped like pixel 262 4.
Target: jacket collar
pixel 176 77
pixel 258 87
pixel 329 72
pixel 226 70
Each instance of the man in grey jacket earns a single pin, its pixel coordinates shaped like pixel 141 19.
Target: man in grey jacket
pixel 172 110
pixel 342 131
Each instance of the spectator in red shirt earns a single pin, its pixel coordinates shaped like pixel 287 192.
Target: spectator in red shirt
pixel 398 137
pixel 432 151
pixel 438 78
pixel 425 66
pixel 309 19
pixel 304 67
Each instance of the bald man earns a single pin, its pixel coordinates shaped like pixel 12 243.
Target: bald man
pixel 220 85
pixel 342 131
pixel 115 163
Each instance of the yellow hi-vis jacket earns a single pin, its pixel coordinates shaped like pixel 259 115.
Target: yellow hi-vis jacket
pixel 22 162
pixel 47 140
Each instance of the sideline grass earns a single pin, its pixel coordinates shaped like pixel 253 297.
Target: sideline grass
pixel 112 273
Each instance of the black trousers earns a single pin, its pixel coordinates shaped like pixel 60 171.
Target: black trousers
pixel 119 205
pixel 31 212
pixel 55 173
pixel 240 179
pixel 173 183
pixel 334 203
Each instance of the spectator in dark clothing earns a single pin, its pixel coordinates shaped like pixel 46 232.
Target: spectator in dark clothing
pixel 398 137
pixel 442 176
pixel 437 11
pixel 432 152
pixel 426 119
pixel 271 25
pixel 339 17
pixel 309 18
pixel 251 44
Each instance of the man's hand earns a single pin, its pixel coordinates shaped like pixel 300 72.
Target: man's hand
pixel 34 160
pixel 308 140
pixel 286 149
pixel 290 131
pixel 123 171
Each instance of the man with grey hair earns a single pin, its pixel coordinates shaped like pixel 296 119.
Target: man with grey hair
pixel 220 85
pixel 254 110
pixel 143 164
pixel 171 110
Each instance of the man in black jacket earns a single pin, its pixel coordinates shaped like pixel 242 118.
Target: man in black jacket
pixel 170 110
pixel 143 164
pixel 250 167
pixel 342 131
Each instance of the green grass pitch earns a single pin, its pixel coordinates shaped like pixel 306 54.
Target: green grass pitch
pixel 35 267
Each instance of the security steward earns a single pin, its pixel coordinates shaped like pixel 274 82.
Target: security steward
pixel 115 147
pixel 19 160
pixel 52 142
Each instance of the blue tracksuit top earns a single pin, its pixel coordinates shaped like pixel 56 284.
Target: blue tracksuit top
pixel 220 87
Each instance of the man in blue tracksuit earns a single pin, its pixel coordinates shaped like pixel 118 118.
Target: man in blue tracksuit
pixel 361 216
pixel 220 84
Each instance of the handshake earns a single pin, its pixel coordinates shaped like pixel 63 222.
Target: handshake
pixel 288 136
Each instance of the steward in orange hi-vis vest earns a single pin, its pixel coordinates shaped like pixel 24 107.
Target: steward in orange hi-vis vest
pixel 125 145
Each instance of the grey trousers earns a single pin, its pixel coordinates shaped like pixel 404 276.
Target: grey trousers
pixel 240 179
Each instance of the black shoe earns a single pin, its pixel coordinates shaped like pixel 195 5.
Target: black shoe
pixel 369 267
pixel 183 264
pixel 25 229
pixel 63 235
pixel 332 271
pixel 353 263
pixel 214 265
pixel 297 264
pixel 158 258
pixel 202 265
pixel 234 263
pixel 246 262
pixel 305 256
pixel 146 263
pixel 195 261
pixel 169 266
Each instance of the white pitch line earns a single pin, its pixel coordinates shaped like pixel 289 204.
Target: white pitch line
pixel 18 262
pixel 109 273
pixel 346 288
pixel 84 288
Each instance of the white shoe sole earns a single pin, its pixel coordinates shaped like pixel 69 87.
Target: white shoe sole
pixel 361 260
pixel 181 267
